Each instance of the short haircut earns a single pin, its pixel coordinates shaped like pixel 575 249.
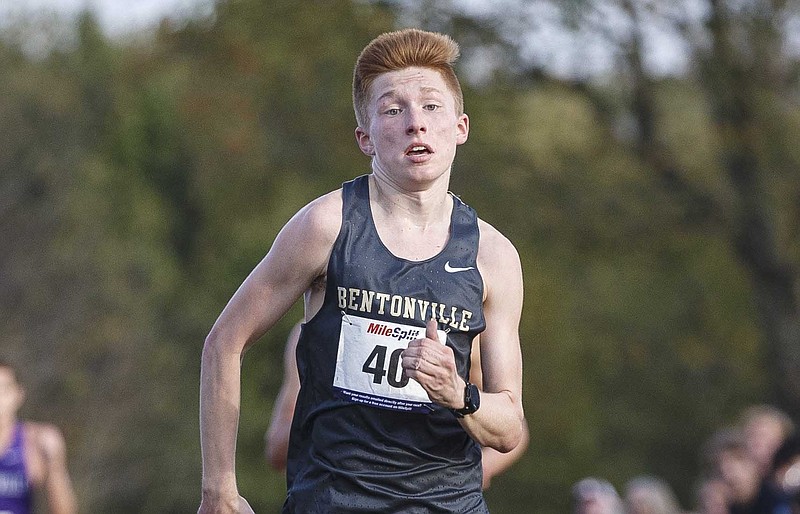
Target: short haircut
pixel 401 49
pixel 755 413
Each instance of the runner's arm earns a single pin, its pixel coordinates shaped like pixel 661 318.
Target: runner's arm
pixel 277 436
pixel 498 423
pixel 298 256
pixel 57 484
pixel 494 463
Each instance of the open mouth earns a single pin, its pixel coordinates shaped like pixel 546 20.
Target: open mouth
pixel 418 150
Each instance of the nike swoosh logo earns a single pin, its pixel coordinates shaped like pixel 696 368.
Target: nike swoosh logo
pixel 451 269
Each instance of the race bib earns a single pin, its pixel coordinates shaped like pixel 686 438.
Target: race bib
pixel 369 366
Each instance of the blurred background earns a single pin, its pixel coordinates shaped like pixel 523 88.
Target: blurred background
pixel 639 153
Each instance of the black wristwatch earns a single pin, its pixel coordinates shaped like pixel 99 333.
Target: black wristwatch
pixel 472 401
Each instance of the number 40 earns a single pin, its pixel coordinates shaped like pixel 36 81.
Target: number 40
pixel 375 365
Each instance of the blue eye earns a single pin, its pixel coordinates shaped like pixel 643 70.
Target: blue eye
pixel 393 112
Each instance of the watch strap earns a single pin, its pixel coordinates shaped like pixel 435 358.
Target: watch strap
pixel 472 401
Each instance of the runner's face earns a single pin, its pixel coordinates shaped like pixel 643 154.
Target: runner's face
pixel 413 126
pixel 10 395
pixel 763 436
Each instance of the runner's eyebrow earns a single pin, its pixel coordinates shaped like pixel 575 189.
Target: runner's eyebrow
pixel 430 89
pixel 392 93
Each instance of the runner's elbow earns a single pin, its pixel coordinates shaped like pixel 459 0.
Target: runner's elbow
pixel 513 437
pixel 213 349
pixel 210 346
pixel 508 443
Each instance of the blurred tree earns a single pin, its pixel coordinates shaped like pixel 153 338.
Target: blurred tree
pixel 85 276
pixel 656 216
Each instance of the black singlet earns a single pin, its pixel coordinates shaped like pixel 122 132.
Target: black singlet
pixel 363 438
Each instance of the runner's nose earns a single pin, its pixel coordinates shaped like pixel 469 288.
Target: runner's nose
pixel 416 122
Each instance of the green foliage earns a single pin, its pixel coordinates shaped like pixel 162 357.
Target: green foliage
pixel 142 182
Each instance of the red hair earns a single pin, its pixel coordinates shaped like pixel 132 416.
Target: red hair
pixel 394 51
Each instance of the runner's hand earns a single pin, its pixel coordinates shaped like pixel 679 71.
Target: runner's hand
pixel 433 365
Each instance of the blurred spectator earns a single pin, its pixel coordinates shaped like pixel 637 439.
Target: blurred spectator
pixel 713 496
pixel 650 495
pixel 725 456
pixel 595 496
pixel 786 465
pixel 781 490
pixel 32 456
pixel 765 428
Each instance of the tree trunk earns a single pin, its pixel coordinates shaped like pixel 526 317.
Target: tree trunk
pixel 732 82
pixel 733 86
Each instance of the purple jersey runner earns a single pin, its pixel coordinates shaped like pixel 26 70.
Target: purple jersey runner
pixel 15 493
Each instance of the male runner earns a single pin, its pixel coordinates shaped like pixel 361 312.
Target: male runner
pixel 398 277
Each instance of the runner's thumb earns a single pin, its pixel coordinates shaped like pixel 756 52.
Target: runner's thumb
pixel 430 330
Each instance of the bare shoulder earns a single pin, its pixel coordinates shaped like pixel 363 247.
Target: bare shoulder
pixel 47 439
pixel 500 267
pixel 496 253
pixel 301 250
pixel 322 217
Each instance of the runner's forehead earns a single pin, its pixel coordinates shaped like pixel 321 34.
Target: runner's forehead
pixel 393 84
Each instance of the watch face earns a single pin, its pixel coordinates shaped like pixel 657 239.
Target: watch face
pixel 474 398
